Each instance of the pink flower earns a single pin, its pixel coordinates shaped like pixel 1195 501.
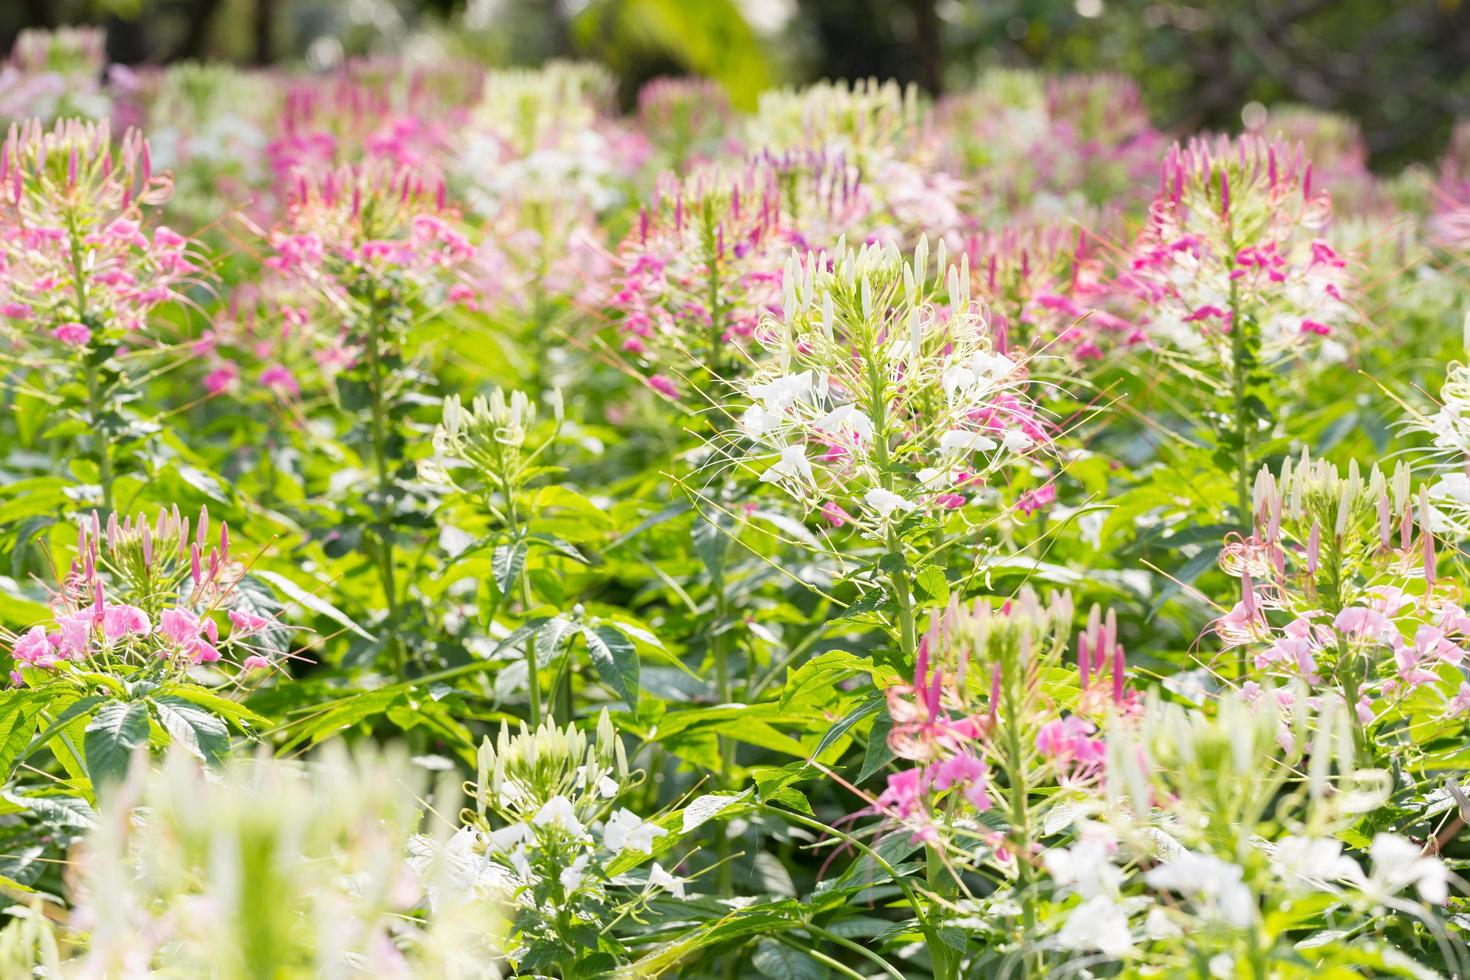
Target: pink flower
pixel 1362 621
pixel 277 378
pixel 904 793
pixel 1312 326
pixel 121 621
pixel 246 622
pixel 833 514
pixel 33 648
pixel 183 628
pixel 1069 740
pixel 256 663
pixel 1461 701
pixel 664 385
pixel 179 625
pixel 1033 500
pixel 963 769
pixel 73 334
pixel 73 637
pixel 220 378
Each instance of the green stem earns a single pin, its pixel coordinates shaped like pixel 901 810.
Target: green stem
pixel 383 526
pixel 102 441
pixel 1021 827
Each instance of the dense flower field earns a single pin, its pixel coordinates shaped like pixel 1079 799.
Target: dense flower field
pixel 450 528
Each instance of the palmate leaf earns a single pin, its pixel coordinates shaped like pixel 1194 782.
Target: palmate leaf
pixel 198 732
pixel 615 658
pixel 777 961
pixel 506 564
pixel 755 920
pixel 71 713
pixel 114 733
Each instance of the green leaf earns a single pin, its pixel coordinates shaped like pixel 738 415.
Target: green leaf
pixel 552 637
pixel 778 961
pixel 313 603
pixel 931 585
pixel 200 733
pixel 506 564
pixel 705 808
pixel 115 732
pixel 616 660
pixel 70 714
pixel 878 754
pixel 843 726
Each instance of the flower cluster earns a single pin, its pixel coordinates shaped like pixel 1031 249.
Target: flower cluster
pixel 995 720
pixel 1046 288
pixel 208 126
pixel 1048 148
pixel 686 119
pixel 81 266
pixel 51 74
pixel 1233 248
pixel 188 873
pixel 867 121
pixel 547 834
pixel 1179 871
pixel 149 598
pixel 1341 590
pixel 882 392
pixel 704 263
pixel 354 230
pixel 375 113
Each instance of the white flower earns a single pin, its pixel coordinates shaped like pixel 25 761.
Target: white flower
pixel 659 878
pixel 1316 857
pixel 885 502
pixel 558 812
pixel 449 870
pixel 793 465
pixel 1016 441
pixel 606 788
pixel 756 421
pixel 779 394
pixel 1158 925
pixel 1098 923
pixel 1398 863
pixel 1084 867
pixel 571 877
pixel 846 418
pixel 962 440
pixel 1214 884
pixel 625 830
pixel 975 375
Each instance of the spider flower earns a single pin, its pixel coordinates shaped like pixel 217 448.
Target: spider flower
pixel 1234 248
pixel 704 262
pixel 868 122
pixel 1341 589
pixel 81 265
pixel 150 598
pixel 882 390
pixel 1046 288
pixel 55 73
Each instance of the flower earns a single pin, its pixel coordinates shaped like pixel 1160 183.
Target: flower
pixel 659 878
pixel 559 812
pixel 1100 924
pixel 625 830
pixel 123 620
pixel 1398 863
pixel 1215 884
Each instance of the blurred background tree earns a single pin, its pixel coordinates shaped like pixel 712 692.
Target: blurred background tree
pixel 1400 67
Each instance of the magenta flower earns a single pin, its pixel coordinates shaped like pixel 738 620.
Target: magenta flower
pixel 34 648
pixel 121 621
